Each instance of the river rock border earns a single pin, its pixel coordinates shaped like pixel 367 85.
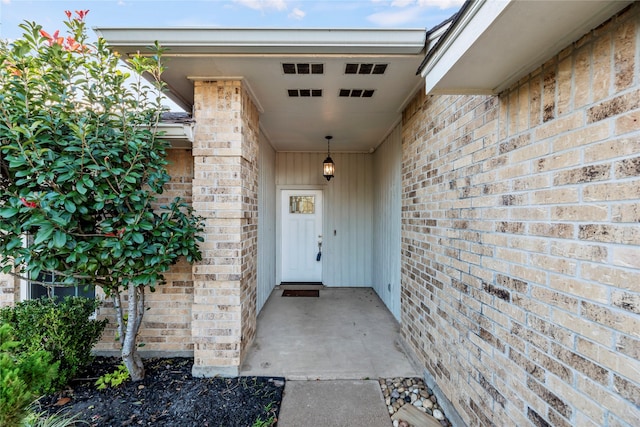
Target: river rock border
pixel 398 392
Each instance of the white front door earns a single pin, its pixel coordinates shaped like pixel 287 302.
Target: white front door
pixel 301 235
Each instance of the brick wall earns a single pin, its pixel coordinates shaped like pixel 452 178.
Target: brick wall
pixel 521 239
pixel 9 290
pixel 249 274
pixel 224 193
pixel 167 324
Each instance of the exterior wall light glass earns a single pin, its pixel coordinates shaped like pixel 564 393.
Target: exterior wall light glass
pixel 328 167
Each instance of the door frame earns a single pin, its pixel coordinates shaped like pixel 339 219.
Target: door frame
pixel 279 189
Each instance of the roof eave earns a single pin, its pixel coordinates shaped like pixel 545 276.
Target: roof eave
pixel 493 43
pixel 179 135
pixel 267 41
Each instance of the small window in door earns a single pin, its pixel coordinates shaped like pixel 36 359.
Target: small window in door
pixel 302 204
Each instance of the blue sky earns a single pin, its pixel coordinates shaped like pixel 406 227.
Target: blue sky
pixel 232 13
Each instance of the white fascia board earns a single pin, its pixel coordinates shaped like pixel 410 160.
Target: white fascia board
pixel 278 41
pixel 180 135
pixel 473 24
pixel 435 36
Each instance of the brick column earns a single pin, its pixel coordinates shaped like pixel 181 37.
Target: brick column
pixel 225 153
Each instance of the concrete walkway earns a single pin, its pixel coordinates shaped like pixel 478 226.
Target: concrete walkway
pixel 344 403
pixel 331 350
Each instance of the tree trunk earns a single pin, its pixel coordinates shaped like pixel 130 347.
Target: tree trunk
pixel 130 356
pixel 117 305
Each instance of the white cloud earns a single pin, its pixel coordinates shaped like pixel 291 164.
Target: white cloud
pixel 6 1
pixel 441 4
pixel 396 18
pixel 263 4
pixel 403 12
pixel 297 14
pixel 402 3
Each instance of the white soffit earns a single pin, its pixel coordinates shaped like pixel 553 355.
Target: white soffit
pixel 290 118
pixel 495 42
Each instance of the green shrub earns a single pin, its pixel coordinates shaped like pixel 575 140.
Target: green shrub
pixel 24 376
pixel 61 327
pixel 113 379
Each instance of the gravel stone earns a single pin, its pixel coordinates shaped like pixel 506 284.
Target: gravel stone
pixel 398 392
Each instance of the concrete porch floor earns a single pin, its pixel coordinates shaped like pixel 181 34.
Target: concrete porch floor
pixel 345 334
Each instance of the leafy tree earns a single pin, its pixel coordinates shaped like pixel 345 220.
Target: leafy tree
pixel 82 164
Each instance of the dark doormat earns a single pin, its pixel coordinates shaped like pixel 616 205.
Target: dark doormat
pixel 301 293
pixel 301 283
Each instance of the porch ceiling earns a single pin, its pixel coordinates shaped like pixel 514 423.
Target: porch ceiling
pixel 294 123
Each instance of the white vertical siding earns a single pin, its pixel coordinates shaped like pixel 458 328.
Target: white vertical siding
pixel 387 162
pixel 300 168
pixel 266 221
pixel 348 209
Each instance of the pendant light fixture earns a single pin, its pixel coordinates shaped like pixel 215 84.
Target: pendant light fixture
pixel 328 167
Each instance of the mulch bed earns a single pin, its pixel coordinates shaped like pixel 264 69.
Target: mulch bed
pixel 169 396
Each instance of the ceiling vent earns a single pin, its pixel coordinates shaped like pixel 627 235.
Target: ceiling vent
pixel 356 93
pixel 365 68
pixel 295 93
pixel 303 68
